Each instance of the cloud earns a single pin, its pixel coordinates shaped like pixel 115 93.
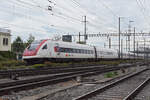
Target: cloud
pixel 33 17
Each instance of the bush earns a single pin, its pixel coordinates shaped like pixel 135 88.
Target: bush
pixel 48 64
pixel 4 55
pixel 38 66
pixel 2 58
pixel 2 67
pixel 11 63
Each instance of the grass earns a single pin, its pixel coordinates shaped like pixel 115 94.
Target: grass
pixel 11 64
pixel 14 64
pixel 110 74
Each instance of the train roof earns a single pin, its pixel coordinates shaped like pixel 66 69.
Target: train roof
pixel 106 49
pixel 72 44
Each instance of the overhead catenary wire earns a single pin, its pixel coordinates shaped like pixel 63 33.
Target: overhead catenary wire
pixel 60 15
pixel 89 24
pixel 57 15
pixel 52 14
pixel 107 7
pixel 79 5
pixel 140 5
pixel 39 20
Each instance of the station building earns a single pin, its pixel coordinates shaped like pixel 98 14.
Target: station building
pixel 5 40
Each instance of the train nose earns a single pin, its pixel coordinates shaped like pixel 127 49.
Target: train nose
pixel 29 53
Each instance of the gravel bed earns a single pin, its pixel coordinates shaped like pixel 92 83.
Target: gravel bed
pixel 22 94
pixel 74 92
pixel 64 95
pixel 71 93
pixel 6 80
pixel 119 91
pixel 119 72
pixel 144 93
pixel 101 77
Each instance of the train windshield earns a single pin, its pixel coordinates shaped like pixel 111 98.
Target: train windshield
pixel 34 45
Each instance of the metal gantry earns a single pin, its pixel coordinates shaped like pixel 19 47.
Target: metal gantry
pixel 133 34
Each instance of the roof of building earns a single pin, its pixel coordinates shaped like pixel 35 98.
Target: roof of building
pixel 5 32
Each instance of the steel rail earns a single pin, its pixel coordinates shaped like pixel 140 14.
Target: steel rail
pixel 99 90
pixel 7 74
pixel 51 70
pixel 137 90
pixel 6 88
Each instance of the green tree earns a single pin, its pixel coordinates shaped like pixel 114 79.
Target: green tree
pixel 18 46
pixel 30 39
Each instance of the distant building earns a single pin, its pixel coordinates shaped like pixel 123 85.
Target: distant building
pixel 5 40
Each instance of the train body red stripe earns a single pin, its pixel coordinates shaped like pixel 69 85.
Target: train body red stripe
pixel 33 52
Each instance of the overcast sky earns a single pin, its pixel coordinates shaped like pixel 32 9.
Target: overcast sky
pixel 24 17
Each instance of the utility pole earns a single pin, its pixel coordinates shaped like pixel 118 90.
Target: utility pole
pixel 119 39
pixel 109 43
pixel 79 37
pixel 129 32
pixel 126 42
pixel 137 45
pixel 134 43
pixel 144 49
pixel 85 35
pixel 121 48
pixel 104 45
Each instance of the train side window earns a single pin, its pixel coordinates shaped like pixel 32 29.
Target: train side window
pixel 89 52
pixel 78 51
pixel 45 46
pixel 61 49
pixel 82 51
pixel 85 51
pixel 66 49
pixel 73 51
pixel 69 50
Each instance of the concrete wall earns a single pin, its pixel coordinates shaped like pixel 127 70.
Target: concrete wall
pixel 5 47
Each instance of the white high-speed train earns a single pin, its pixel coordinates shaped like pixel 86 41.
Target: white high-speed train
pixel 49 50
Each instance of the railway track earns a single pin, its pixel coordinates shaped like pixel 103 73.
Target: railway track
pixel 51 70
pixel 44 71
pixel 18 85
pixel 123 89
pixel 135 92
